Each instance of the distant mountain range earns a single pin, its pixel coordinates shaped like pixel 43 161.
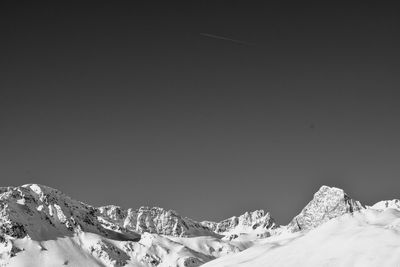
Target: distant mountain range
pixel 41 226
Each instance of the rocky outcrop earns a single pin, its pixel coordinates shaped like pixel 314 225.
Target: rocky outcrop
pixel 43 213
pixel 109 254
pixel 154 220
pixel 256 221
pixel 112 236
pixel 328 203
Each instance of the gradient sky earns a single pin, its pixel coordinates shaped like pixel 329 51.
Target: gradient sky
pixel 140 105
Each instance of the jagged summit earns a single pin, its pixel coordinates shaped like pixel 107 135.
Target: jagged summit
pixel 258 221
pixel 327 203
pixel 43 213
pixel 40 220
pixel 69 215
pixel 57 208
pixel 154 220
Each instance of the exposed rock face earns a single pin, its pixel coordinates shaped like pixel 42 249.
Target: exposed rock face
pixel 387 204
pixel 45 216
pixel 258 221
pixel 42 212
pixel 168 222
pixel 109 254
pixel 328 203
pixel 154 220
pixel 112 236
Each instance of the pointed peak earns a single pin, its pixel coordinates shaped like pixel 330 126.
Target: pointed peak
pixel 325 188
pixel 327 203
pixel 330 192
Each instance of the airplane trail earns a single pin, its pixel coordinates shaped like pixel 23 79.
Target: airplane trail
pixel 225 39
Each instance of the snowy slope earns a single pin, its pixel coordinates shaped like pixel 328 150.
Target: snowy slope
pixel 365 238
pixel 387 204
pixel 88 249
pixel 41 226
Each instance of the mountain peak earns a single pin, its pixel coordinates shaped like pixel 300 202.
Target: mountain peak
pixel 38 188
pixel 154 220
pixel 151 236
pixel 327 203
pixel 42 213
pixel 258 221
pixel 327 187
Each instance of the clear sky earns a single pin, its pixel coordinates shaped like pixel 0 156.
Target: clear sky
pixel 210 109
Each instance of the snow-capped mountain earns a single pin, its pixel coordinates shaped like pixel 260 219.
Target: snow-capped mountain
pixel 41 226
pixel 367 238
pixel 328 203
pixel 153 220
pixel 39 220
pixel 43 213
pixel 258 221
pixel 332 230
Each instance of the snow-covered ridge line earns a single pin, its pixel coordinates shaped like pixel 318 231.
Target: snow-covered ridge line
pixel 56 208
pixel 42 213
pixel 328 202
pixel 154 220
pixel 387 204
pixel 39 220
pixel 258 221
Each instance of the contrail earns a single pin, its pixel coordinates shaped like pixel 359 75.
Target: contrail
pixel 225 38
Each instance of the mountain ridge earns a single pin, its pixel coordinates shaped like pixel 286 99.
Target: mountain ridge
pixel 169 222
pixel 38 219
